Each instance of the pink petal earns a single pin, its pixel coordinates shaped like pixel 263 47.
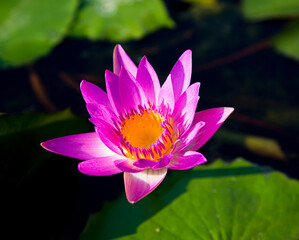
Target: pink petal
pixel 82 146
pixel 186 160
pixel 144 163
pixel 127 166
pixel 180 75
pixel 187 115
pixel 108 136
pixel 121 59
pixel 148 80
pixel 163 162
pixel 93 94
pixel 112 86
pixel 191 92
pixel 188 137
pixel 97 112
pixel 166 97
pixel 130 91
pixel 102 166
pixel 213 119
pixel 138 185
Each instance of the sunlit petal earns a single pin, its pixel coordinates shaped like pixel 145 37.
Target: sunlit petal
pixel 138 185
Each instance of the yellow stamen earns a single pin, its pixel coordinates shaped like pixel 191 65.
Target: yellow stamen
pixel 146 134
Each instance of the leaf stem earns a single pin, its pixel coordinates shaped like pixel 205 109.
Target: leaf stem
pixel 39 90
pixel 263 44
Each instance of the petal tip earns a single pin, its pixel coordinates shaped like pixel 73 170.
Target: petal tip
pixel 83 85
pixel 143 59
pixel 80 167
pixel 187 53
pixel 117 47
pixel 83 82
pixel 42 144
pixel 229 109
pixel 46 145
pixel 132 202
pixel 117 50
pixel 226 112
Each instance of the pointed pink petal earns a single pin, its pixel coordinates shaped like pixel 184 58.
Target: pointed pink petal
pixel 138 185
pixel 108 136
pixel 191 92
pixel 186 160
pixel 163 162
pixel 112 86
pixel 187 115
pixel 144 163
pixel 180 75
pixel 93 94
pixel 82 146
pixel 121 59
pixel 188 137
pixel 213 119
pixel 148 80
pixel 131 93
pixel 127 166
pixel 97 112
pixel 102 166
pixel 166 97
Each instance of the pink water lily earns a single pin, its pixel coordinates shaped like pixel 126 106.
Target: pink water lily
pixel 141 128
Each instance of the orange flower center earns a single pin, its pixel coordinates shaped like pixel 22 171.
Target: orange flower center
pixel 146 134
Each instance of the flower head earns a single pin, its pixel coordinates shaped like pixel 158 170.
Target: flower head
pixel 141 128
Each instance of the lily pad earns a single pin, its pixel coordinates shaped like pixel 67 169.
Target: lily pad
pixel 219 201
pixel 287 42
pixel 120 20
pixel 29 29
pixel 203 3
pixel 265 9
pixel 20 138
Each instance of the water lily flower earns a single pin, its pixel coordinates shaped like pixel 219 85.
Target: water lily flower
pixel 141 128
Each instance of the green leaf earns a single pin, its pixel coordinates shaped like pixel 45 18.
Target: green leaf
pixel 237 201
pixel 118 20
pixel 203 3
pixel 287 42
pixel 266 9
pixel 29 29
pixel 20 138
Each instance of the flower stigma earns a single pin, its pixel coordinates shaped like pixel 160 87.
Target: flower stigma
pixel 146 134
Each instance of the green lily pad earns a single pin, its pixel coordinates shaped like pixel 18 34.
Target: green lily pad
pixel 29 29
pixel 120 20
pixel 265 9
pixel 287 42
pixel 20 138
pixel 237 201
pixel 203 3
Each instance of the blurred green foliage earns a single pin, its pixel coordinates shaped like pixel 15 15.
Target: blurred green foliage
pixel 287 42
pixel 29 29
pixel 219 201
pixel 118 20
pixel 267 9
pixel 203 3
